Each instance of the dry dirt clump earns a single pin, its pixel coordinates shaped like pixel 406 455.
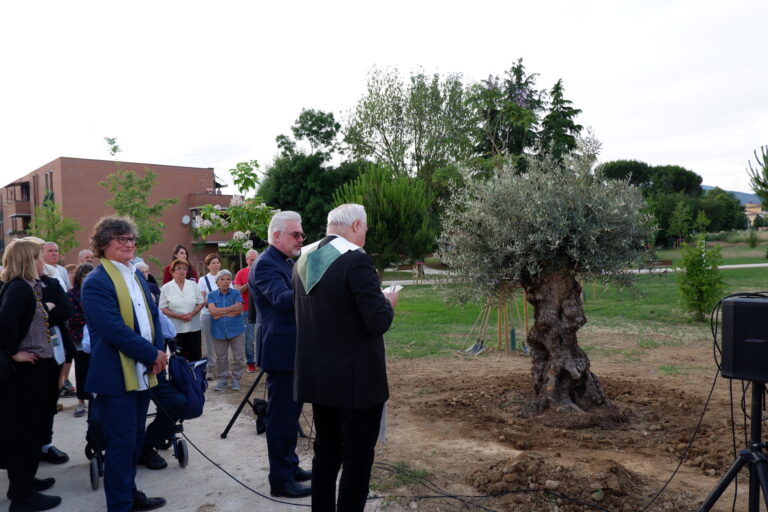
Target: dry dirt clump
pixel 531 482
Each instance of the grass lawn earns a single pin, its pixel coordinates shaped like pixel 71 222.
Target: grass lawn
pixel 733 254
pixel 426 326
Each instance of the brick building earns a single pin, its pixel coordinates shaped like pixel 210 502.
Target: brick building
pixel 73 183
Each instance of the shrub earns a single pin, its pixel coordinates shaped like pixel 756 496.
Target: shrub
pixel 701 284
pixel 752 238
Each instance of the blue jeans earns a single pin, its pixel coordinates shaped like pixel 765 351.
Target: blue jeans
pixel 250 336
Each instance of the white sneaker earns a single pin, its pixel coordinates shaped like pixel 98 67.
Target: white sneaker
pixel 235 385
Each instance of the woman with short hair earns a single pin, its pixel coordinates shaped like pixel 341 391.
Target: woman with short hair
pixel 24 396
pixel 227 330
pixel 207 284
pixel 181 301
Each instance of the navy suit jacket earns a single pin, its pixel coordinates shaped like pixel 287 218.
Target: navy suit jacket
pixel 270 285
pixel 110 335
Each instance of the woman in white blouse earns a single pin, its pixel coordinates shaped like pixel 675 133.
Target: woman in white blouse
pixel 181 301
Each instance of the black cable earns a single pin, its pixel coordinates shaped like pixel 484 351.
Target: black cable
pixel 230 475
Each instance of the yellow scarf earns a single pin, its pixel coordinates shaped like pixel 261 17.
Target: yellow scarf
pixel 126 311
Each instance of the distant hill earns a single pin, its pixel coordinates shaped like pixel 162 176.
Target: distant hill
pixel 741 196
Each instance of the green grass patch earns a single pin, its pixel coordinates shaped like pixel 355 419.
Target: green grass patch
pixel 733 254
pixel 668 369
pixel 390 477
pixel 642 319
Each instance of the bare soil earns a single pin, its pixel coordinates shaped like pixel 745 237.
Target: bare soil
pixel 468 424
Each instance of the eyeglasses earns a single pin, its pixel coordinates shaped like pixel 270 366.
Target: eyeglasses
pixel 298 235
pixel 125 240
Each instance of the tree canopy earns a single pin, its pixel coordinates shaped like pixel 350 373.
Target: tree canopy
pixel 399 227
pixel 49 224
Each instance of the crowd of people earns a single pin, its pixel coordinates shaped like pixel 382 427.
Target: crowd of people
pixel 312 318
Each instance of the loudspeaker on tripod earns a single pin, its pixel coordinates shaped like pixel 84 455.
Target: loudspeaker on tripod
pixel 745 339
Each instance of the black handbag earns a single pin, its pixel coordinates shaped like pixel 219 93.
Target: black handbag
pixel 7 369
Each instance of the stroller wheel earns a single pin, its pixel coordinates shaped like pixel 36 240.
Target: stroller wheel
pixel 182 452
pixel 94 473
pixel 90 451
pixel 166 443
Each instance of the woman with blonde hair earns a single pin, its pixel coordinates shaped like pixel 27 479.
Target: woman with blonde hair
pixel 24 395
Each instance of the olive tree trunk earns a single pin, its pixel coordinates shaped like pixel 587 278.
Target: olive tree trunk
pixel 562 379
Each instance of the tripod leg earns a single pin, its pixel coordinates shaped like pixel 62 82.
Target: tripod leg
pixel 723 484
pixel 242 404
pixel 762 472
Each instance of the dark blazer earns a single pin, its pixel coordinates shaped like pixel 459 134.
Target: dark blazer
pixel 340 360
pixel 17 308
pixel 270 286
pixel 60 314
pixel 109 334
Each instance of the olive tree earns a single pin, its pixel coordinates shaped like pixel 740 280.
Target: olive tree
pixel 543 231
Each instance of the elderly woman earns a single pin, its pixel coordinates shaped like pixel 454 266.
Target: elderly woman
pixel 227 330
pixel 33 384
pixel 207 284
pixel 181 301
pixel 180 253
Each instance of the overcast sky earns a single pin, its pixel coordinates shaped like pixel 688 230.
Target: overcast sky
pixel 210 84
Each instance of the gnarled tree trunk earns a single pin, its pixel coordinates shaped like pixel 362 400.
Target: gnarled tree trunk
pixel 562 379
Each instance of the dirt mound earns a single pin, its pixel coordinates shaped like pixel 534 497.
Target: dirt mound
pixel 531 482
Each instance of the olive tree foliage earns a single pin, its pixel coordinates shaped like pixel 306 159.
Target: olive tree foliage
pixel 543 231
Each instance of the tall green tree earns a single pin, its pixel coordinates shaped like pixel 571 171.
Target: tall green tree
pixel 681 221
pixel 723 209
pixel 131 198
pixel 544 231
pixel 636 172
pixel 399 227
pixel 508 111
pixel 758 175
pixel 558 128
pixel 318 128
pixel 303 183
pixel 413 127
pixel 49 224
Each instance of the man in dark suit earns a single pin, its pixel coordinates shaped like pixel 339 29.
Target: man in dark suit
pixel 341 316
pixel 127 352
pixel 270 287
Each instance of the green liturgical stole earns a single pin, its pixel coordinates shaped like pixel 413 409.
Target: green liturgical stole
pixel 126 311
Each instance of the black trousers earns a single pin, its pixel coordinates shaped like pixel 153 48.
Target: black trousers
pixel 24 401
pixel 52 398
pixel 190 345
pixel 344 438
pixel 82 362
pixel 170 404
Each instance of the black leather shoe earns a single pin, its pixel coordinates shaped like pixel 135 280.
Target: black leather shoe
pixel 152 459
pixel 35 502
pixel 41 484
pixel 141 502
pixel 290 490
pixel 54 456
pixel 302 475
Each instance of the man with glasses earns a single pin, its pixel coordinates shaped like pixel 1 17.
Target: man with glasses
pixel 127 353
pixel 270 286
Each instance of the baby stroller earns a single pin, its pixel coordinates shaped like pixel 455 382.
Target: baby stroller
pixel 189 379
